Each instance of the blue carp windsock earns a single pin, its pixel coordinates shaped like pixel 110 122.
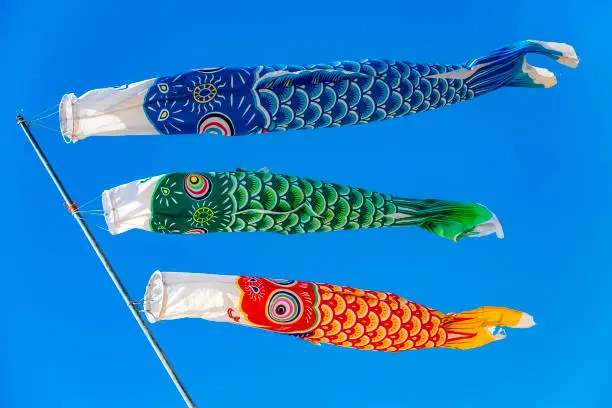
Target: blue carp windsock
pixel 324 313
pixel 235 101
pixel 250 201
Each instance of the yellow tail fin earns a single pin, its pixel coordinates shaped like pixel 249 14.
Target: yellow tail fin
pixel 476 328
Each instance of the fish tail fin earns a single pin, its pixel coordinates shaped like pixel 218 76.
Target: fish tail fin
pixel 507 66
pixel 481 326
pixel 448 219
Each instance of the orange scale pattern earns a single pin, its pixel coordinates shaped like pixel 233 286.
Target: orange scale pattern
pixel 371 320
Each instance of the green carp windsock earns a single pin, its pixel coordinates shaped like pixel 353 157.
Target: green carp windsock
pixel 249 201
pixel 236 101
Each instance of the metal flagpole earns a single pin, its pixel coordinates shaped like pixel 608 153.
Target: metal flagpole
pixel 73 210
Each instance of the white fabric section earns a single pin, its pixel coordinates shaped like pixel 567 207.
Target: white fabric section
pixel 176 295
pixel 526 321
pixel 489 227
pixel 113 111
pixel 128 206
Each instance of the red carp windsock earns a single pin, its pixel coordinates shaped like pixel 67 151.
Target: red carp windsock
pixel 237 101
pixel 324 313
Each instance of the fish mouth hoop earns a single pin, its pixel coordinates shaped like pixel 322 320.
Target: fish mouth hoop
pixel 66 117
pixel 155 299
pixel 109 212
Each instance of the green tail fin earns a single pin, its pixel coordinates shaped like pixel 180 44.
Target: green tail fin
pixel 449 219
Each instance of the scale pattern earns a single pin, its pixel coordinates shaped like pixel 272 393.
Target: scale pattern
pixel 239 101
pixel 248 100
pixel 248 201
pixel 343 316
pixel 370 320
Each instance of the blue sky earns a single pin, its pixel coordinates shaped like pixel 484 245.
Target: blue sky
pixel 538 158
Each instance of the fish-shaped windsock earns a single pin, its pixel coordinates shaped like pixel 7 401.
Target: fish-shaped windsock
pixel 249 100
pixel 249 201
pixel 324 313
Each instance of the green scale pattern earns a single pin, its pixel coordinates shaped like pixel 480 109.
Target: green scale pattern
pixel 250 201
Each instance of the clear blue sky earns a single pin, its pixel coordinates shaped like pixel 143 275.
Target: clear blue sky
pixel 538 158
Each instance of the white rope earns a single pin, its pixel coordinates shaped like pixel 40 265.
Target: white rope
pixel 44 111
pixel 66 138
pixel 44 117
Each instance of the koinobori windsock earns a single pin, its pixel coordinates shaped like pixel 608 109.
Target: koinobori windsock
pixel 234 101
pixel 324 313
pixel 250 201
